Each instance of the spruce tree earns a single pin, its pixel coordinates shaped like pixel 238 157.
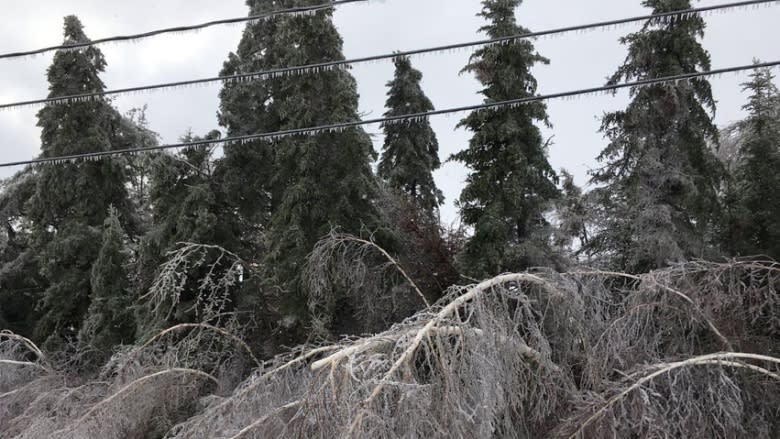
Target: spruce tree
pixel 135 132
pixel 21 284
pixel 186 197
pixel 109 321
pixel 71 200
pixel 410 200
pixel 572 213
pixel 246 169
pixel 754 213
pixel 308 184
pixel 411 151
pixel 324 181
pixel 511 182
pixel 659 179
pixel 188 205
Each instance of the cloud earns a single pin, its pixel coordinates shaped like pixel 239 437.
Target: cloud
pixel 376 27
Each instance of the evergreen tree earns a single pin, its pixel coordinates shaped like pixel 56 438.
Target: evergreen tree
pixel 572 212
pixel 308 184
pixel 188 205
pixel 246 169
pixel 410 200
pixel 754 213
pixel 21 284
pixel 186 197
pixel 659 178
pixel 109 320
pixel 411 151
pixel 324 181
pixel 71 200
pixel 135 131
pixel 511 182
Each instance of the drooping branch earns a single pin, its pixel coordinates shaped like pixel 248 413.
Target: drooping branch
pixel 448 310
pixel 25 341
pixel 726 343
pixel 343 266
pixel 720 359
pixel 140 382
pixel 187 326
pixel 223 271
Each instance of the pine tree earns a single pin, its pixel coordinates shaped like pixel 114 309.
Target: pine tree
pixel 659 179
pixel 754 215
pixel 511 182
pixel 71 200
pixel 411 151
pixel 109 320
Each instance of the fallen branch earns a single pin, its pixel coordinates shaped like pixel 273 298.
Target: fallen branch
pixel 257 423
pixel 334 359
pixel 259 380
pixel 392 261
pixel 133 385
pixel 669 289
pixel 25 341
pixel 11 393
pixel 423 333
pixel 203 326
pixel 711 359
pixel 22 364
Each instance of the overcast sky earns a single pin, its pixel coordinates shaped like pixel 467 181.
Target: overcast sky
pixel 578 61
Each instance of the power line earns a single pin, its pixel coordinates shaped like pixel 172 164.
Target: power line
pixel 300 10
pixel 260 17
pixel 296 70
pixel 339 127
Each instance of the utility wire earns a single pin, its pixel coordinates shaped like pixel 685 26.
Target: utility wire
pixel 259 17
pixel 275 73
pixel 252 18
pixel 338 127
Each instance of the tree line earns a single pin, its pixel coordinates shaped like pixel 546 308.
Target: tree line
pixel 104 253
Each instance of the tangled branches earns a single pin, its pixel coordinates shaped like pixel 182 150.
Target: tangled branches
pixel 197 280
pixel 721 415
pixel 690 351
pixel 346 271
pixel 438 374
pixel 589 354
pixel 141 392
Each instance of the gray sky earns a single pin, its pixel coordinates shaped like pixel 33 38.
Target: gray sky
pixel 577 61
